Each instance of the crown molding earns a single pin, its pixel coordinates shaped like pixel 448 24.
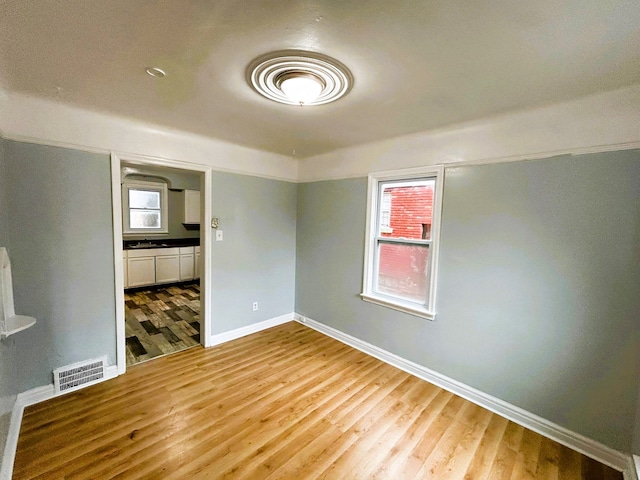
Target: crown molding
pixel 36 120
pixel 599 123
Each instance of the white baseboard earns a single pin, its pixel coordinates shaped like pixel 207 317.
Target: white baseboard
pixel 629 465
pixel 249 329
pixel 609 456
pixel 24 399
pixel 46 392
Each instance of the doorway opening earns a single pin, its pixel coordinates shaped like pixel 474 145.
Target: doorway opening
pixel 161 257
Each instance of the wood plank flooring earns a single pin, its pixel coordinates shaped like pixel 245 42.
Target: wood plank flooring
pixel 285 403
pixel 161 320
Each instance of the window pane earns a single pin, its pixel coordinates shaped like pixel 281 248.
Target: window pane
pixel 144 199
pixel 144 219
pixel 406 209
pixel 403 271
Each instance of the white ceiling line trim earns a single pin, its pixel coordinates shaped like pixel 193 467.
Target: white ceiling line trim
pixel 599 123
pixel 450 163
pixel 40 121
pixel 150 159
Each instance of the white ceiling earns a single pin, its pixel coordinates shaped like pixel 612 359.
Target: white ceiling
pixel 418 65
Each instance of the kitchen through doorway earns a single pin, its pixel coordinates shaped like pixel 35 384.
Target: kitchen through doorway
pixel 162 259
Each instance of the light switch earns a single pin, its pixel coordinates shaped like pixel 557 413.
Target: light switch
pixel 219 236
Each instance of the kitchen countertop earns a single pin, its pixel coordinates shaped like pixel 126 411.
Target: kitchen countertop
pixel 160 243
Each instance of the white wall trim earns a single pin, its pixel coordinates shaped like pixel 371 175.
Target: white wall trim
pixel 31 397
pixel 30 119
pixel 369 293
pixel 249 329
pixel 206 252
pixel 46 392
pixel 450 162
pixel 628 464
pixel 635 466
pixel 205 242
pixel 608 121
pixel 609 456
pixel 9 454
pixel 116 215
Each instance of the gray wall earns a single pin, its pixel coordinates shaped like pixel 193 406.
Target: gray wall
pixel 539 277
pixel 636 426
pixel 56 223
pixel 8 376
pixel 538 292
pixel 256 259
pixel 60 238
pixel 8 370
pixel 176 217
pixel 3 191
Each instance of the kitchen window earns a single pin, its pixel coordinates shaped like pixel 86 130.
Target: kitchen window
pixel 144 206
pixel 401 252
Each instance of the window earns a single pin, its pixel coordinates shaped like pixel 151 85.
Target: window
pixel 144 206
pixel 403 221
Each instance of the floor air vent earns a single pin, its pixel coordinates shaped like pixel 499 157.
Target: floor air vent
pixel 78 375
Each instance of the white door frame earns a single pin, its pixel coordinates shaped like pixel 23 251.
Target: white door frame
pixel 205 250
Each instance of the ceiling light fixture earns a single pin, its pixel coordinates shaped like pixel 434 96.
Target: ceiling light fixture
pixel 155 72
pixel 297 77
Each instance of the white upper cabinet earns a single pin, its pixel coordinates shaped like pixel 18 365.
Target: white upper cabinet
pixel 191 206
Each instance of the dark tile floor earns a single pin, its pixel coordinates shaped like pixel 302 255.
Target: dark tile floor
pixel 161 320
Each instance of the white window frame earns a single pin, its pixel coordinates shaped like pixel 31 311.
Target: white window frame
pixel 159 187
pixel 428 308
pixel 385 211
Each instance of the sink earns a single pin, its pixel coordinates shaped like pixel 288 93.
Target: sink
pixel 148 245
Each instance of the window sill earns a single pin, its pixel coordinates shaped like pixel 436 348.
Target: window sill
pixel 402 307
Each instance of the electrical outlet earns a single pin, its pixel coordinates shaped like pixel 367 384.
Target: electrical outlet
pixel 255 306
pixel 219 236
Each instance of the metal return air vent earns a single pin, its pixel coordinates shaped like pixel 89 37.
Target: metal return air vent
pixel 81 374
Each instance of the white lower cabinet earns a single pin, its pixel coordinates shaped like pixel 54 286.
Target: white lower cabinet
pixel 167 268
pixel 186 263
pixel 141 271
pixel 159 265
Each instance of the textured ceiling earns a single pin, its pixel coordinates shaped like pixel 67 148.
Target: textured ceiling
pixel 417 65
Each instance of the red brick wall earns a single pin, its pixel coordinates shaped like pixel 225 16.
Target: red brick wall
pixel 410 208
pixel 403 269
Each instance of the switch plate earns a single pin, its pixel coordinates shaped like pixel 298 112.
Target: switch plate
pixel 219 236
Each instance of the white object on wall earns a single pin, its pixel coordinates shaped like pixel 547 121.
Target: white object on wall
pixel 10 323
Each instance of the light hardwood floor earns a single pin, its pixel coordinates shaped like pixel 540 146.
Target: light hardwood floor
pixel 285 403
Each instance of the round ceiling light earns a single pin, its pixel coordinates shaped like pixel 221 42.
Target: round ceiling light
pixel 297 77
